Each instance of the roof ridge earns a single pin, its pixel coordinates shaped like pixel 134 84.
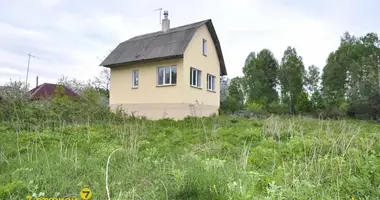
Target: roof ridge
pixel 172 44
pixel 172 30
pixel 38 89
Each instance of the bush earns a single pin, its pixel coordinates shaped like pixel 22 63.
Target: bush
pixel 333 113
pixel 303 105
pixel 230 105
pixel 15 107
pixel 278 108
pixel 256 109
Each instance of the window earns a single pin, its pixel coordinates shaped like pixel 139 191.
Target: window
pixel 167 75
pixel 210 82
pixel 204 46
pixel 135 78
pixel 195 77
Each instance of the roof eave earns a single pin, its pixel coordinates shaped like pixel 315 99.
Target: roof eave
pixel 210 26
pixel 124 64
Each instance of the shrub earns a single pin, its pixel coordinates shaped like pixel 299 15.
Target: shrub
pixel 255 108
pixel 303 105
pixel 277 108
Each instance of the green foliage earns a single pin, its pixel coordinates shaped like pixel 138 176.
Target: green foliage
pixel 351 74
pixel 312 79
pixel 317 102
pixel 260 73
pixel 231 105
pixel 292 73
pixel 304 105
pixel 277 108
pixel 28 114
pixel 255 108
pixel 236 96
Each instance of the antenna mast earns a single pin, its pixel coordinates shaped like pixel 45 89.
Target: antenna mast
pixel 160 10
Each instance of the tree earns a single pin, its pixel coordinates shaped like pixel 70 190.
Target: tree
pixel 334 81
pixel 312 79
pixel 249 58
pixel 223 88
pixel 304 105
pixel 292 73
pixel 74 84
pixel 236 92
pixel 102 82
pixel 260 73
pixel 317 102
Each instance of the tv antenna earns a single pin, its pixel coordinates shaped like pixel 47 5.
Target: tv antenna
pixel 160 10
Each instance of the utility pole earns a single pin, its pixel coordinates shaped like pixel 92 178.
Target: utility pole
pixel 27 71
pixel 378 77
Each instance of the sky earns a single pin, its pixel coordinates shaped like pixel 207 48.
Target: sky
pixel 71 38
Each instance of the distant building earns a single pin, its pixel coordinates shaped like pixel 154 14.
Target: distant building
pixel 48 91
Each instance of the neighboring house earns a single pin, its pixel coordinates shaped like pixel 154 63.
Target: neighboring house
pixel 48 91
pixel 171 73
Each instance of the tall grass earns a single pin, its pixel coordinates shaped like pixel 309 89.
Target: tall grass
pixel 197 158
pixel 56 148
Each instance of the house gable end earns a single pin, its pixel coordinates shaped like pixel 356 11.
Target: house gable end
pixel 216 44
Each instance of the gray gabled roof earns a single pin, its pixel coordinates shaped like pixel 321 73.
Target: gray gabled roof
pixel 160 46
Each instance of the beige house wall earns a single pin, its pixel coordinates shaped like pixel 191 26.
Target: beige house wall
pixel 175 101
pixel 122 92
pixel 207 64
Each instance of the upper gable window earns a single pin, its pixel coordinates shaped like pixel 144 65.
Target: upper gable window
pixel 204 47
pixel 135 78
pixel 167 75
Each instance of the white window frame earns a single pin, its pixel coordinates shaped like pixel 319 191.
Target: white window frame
pixel 204 47
pixel 164 74
pixel 198 79
pixel 211 82
pixel 134 77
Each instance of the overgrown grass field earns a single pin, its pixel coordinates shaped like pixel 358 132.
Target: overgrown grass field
pixel 197 158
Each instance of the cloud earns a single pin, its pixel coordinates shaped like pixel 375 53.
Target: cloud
pixel 10 71
pixel 71 37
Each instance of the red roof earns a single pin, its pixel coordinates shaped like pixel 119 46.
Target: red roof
pixel 47 90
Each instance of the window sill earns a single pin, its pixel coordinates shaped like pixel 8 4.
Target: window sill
pixel 213 91
pixel 166 85
pixel 136 87
pixel 196 87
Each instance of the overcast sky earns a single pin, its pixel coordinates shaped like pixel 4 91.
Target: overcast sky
pixel 68 37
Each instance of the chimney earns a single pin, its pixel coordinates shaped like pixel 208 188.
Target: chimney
pixel 37 81
pixel 165 22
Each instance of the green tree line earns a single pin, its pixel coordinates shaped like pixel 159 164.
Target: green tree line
pixel 348 85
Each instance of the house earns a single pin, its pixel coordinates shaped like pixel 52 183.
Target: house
pixel 174 72
pixel 48 91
